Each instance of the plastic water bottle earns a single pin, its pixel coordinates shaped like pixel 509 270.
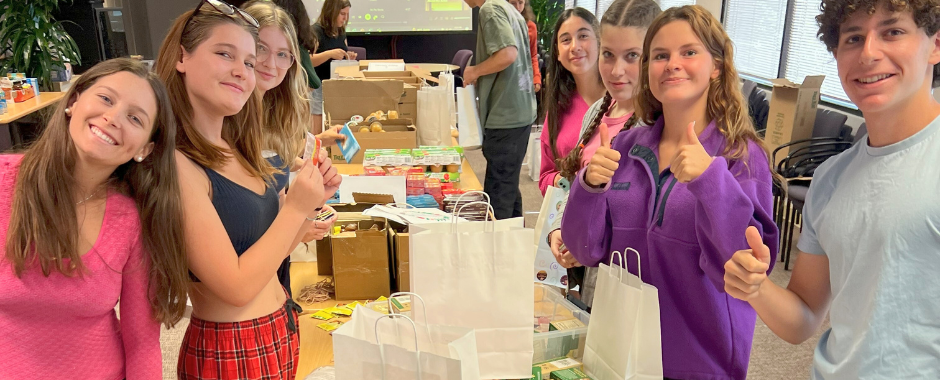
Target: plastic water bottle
pixel 3 103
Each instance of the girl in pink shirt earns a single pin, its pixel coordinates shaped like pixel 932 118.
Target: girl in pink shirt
pixel 572 83
pixel 623 28
pixel 90 217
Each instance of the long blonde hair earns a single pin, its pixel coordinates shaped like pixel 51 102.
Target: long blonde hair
pixel 44 227
pixel 287 112
pixel 726 105
pixel 243 131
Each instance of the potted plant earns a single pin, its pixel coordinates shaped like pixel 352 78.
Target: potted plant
pixel 546 14
pixel 33 42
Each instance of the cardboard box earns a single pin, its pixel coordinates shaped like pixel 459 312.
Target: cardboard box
pixel 325 256
pixel 360 260
pixel 570 374
pixel 792 111
pixel 398 242
pixel 344 98
pixel 408 111
pixel 399 134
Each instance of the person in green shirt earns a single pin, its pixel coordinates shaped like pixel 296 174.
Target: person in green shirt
pixel 503 79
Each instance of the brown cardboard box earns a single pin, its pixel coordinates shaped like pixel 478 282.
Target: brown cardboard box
pixel 398 240
pixel 792 111
pixel 325 257
pixel 399 134
pixel 360 260
pixel 343 98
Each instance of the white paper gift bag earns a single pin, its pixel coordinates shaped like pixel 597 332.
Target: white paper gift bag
pixel 624 338
pixel 395 347
pixel 478 275
pixel 468 118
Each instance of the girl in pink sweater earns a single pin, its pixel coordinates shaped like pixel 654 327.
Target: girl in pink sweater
pixel 572 85
pixel 90 218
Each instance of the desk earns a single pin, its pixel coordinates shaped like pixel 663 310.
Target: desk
pixel 468 179
pixel 15 111
pixel 432 67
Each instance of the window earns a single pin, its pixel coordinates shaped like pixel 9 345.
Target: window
pixel 807 55
pixel 665 4
pixel 602 6
pixel 756 27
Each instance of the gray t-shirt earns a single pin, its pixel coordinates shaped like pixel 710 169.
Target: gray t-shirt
pixel 875 212
pixel 507 98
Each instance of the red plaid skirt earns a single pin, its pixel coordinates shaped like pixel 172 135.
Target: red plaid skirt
pixel 265 348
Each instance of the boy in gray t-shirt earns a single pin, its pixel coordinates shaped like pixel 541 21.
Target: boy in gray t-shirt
pixel 870 245
pixel 503 79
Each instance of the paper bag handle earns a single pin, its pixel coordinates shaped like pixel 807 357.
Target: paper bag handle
pixel 619 255
pixel 382 352
pixel 424 308
pixel 485 195
pixel 623 265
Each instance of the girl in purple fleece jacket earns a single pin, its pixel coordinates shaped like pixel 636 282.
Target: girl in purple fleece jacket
pixel 681 192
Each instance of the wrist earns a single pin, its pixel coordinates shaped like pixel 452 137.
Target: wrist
pixel 548 238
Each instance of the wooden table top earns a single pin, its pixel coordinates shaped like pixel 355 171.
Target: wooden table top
pixel 16 111
pixel 316 345
pixel 468 179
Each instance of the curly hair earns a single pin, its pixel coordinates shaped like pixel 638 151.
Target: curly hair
pixel 833 13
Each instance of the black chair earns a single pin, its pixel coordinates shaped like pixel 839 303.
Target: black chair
pixel 461 60
pixel 360 52
pixel 860 133
pixel 759 108
pixel 830 137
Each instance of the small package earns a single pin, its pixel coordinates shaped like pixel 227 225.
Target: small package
pixel 330 326
pixel 569 324
pixel 387 158
pixel 570 374
pixel 350 146
pixel 322 315
pixel 557 365
pixel 312 149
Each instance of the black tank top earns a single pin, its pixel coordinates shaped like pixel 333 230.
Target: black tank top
pixel 245 214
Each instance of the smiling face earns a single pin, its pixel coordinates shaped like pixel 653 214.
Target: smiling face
pixel 220 72
pixel 884 59
pixel 577 46
pixel 269 75
pixel 112 121
pixel 619 61
pixel 680 67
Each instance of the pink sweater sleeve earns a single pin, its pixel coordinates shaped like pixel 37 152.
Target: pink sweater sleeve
pixel 140 332
pixel 547 169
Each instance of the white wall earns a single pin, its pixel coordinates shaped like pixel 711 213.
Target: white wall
pixel 713 6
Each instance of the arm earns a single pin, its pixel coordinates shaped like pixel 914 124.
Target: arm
pixel 211 257
pixel 534 51
pixel 496 62
pixel 795 313
pixel 586 228
pixel 313 81
pixel 140 332
pixel 318 59
pixel 547 169
pixel 725 206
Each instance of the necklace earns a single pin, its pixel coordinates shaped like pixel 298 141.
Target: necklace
pixel 89 197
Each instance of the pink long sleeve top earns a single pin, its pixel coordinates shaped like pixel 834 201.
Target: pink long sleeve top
pixel 66 327
pixel 568 133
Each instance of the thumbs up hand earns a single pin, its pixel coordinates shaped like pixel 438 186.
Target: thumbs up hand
pixel 747 269
pixel 604 162
pixel 692 159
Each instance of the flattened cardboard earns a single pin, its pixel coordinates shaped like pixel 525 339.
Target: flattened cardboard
pixel 792 113
pixel 361 262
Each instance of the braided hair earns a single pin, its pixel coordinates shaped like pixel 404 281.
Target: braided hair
pixel 621 13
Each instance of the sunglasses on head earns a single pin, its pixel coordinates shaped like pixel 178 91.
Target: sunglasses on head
pixel 224 8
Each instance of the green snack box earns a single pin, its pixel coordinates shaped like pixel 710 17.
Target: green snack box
pixel 570 374
pixel 536 373
pixel 387 157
